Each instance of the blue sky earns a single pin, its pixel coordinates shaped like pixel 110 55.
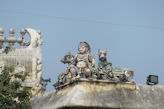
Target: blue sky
pixel 131 30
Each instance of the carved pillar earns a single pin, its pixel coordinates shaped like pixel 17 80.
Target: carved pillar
pixel 20 39
pixel 2 39
pixel 11 40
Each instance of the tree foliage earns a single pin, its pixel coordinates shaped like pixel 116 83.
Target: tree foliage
pixel 44 82
pixel 12 94
pixel 7 49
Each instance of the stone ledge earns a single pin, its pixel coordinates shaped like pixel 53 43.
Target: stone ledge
pixel 92 81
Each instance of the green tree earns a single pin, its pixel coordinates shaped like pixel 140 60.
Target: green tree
pixel 12 94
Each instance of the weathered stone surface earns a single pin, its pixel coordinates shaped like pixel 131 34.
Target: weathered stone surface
pixel 102 94
pixel 24 58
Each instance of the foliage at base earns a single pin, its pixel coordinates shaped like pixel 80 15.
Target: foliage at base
pixel 12 94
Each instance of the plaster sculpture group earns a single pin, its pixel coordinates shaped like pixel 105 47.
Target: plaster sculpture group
pixel 82 65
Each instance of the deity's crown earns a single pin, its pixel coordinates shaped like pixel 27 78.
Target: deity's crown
pixel 86 45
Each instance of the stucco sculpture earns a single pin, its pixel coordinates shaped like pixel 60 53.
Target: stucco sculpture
pixel 82 66
pixel 83 61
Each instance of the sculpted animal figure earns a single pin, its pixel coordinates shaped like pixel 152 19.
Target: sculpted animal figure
pixel 104 67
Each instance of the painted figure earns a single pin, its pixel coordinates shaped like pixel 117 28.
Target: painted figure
pixel 84 61
pixel 66 75
pixel 104 67
pixel 82 65
pixel 67 59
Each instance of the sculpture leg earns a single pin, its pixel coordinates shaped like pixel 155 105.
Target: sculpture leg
pixel 73 71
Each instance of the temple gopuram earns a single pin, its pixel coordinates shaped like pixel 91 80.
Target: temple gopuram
pixel 26 56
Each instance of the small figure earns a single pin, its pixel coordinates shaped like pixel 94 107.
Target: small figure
pixel 123 74
pixel 67 59
pixel 104 67
pixel 62 78
pixel 84 61
pixel 66 75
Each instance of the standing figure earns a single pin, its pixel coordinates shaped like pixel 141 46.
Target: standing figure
pixel 84 61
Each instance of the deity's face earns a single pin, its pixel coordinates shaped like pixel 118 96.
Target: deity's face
pixel 82 49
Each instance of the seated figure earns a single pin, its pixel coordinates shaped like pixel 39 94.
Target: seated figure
pixel 66 75
pixel 104 67
pixel 108 72
pixel 83 61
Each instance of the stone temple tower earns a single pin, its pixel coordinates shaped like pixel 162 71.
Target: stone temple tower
pixel 25 57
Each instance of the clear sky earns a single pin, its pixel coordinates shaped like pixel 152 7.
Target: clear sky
pixel 131 30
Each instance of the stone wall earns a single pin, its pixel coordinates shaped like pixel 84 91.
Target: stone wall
pixel 102 95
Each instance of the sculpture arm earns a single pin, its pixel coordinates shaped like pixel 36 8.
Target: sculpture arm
pixel 92 60
pixel 74 60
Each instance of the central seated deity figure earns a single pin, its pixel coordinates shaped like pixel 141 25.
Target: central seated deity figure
pixel 83 61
